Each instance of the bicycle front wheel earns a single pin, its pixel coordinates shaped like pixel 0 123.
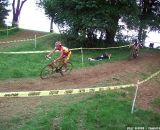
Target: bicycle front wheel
pixel 47 72
pixel 135 54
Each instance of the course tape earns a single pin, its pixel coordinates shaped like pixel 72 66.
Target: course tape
pixel 25 52
pixel 70 91
pixel 32 52
pixel 150 77
pixel 18 41
pixel 46 51
pixel 61 92
pixel 106 48
pixel 28 39
pixel 45 35
pixel 8 29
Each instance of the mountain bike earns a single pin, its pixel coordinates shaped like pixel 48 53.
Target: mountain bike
pixel 55 68
pixel 133 53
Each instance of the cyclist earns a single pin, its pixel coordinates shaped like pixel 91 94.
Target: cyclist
pixel 65 53
pixel 136 45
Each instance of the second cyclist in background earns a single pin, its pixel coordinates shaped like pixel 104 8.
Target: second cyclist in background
pixel 136 45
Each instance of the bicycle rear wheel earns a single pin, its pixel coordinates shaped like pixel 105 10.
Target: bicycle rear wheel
pixel 135 54
pixel 67 68
pixel 47 72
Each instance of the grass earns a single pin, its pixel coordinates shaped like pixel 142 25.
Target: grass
pixel 96 111
pixel 29 65
pixel 4 33
pixel 109 110
pixel 156 102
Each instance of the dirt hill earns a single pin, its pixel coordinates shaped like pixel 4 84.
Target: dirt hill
pixel 23 34
pixel 116 73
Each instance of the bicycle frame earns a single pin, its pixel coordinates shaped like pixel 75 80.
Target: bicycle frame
pixel 51 69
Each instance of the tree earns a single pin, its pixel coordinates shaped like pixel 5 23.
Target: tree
pixel 149 17
pixel 85 18
pixel 17 11
pixel 3 11
pixel 49 10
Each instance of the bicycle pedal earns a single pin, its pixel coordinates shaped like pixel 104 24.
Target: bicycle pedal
pixel 50 66
pixel 64 70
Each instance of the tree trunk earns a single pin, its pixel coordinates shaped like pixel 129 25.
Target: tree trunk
pixel 140 34
pixel 89 39
pixel 110 33
pixel 110 37
pixel 101 37
pixel 17 11
pixel 51 25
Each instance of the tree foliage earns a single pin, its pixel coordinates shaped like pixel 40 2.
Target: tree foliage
pixel 150 13
pixel 3 11
pixel 149 16
pixel 85 19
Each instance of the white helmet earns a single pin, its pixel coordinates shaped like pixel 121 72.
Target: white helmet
pixel 58 44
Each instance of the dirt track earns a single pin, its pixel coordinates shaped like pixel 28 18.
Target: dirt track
pixel 101 75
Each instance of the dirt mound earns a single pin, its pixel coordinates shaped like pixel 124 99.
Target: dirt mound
pixel 23 34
